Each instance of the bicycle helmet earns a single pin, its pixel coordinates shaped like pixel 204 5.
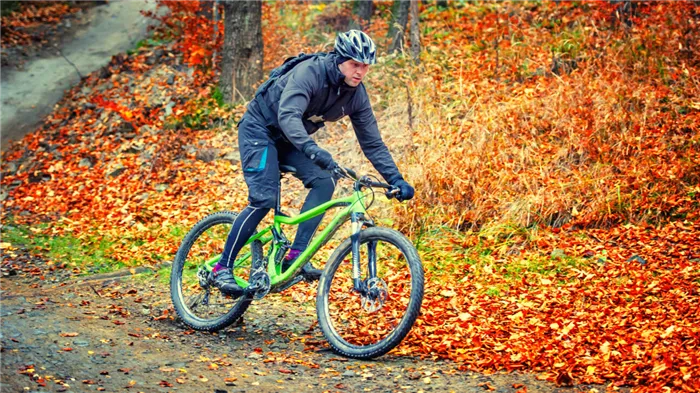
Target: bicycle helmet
pixel 356 45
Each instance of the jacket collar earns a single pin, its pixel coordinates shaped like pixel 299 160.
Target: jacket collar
pixel 333 73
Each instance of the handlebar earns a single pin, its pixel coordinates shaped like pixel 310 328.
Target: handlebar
pixel 366 181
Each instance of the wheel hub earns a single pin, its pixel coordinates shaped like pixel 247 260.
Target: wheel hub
pixel 377 294
pixel 203 277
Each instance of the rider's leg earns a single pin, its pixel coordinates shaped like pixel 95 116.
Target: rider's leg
pixel 321 185
pixel 320 193
pixel 261 172
pixel 243 227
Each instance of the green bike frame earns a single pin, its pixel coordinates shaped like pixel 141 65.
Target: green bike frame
pixel 354 207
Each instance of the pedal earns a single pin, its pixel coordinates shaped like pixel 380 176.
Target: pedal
pixel 249 291
pixel 310 277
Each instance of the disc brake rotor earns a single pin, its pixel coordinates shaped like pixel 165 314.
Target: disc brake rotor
pixel 377 294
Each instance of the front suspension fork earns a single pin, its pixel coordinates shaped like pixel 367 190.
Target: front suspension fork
pixel 358 221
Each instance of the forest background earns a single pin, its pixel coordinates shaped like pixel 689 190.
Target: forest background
pixel 553 145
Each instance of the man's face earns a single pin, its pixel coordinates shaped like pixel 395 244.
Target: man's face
pixel 353 71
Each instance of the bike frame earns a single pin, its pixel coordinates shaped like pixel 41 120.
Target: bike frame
pixel 354 207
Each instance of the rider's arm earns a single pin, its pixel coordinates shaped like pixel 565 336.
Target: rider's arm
pixel 367 132
pixel 302 84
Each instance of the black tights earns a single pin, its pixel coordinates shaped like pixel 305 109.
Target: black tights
pixel 246 222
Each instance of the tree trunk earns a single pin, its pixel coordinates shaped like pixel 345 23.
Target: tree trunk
pixel 415 32
pixel 242 55
pixel 363 10
pixel 397 26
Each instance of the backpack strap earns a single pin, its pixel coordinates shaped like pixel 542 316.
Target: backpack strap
pixel 288 64
pixel 270 118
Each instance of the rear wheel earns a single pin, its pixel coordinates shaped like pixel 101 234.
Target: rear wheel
pixel 197 302
pixel 368 326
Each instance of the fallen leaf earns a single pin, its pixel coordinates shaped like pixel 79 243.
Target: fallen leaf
pixel 448 293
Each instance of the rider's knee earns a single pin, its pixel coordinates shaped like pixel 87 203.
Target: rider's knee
pixel 261 201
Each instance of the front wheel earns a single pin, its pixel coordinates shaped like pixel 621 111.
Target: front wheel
pixel 370 325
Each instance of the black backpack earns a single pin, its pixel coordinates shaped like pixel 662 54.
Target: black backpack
pixel 287 66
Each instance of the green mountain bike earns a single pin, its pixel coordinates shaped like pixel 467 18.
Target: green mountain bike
pixel 368 297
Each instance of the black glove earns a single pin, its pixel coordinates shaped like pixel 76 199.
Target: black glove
pixel 406 192
pixel 320 157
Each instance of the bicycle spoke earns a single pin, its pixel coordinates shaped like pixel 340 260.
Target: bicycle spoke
pixel 208 246
pixel 198 303
pixel 367 322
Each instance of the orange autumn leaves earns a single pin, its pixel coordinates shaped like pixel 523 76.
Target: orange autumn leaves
pixel 16 25
pixel 625 315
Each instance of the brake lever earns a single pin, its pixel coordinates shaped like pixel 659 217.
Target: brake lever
pixel 339 172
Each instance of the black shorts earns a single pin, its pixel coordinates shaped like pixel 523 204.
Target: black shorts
pixel 261 156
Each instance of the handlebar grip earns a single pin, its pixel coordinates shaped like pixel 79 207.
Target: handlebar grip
pixel 382 185
pixel 351 173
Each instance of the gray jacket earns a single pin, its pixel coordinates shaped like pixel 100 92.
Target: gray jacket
pixel 314 92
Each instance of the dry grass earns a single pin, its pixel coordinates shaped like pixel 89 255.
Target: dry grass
pixel 498 139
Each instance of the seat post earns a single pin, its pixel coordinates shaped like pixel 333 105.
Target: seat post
pixel 283 169
pixel 278 205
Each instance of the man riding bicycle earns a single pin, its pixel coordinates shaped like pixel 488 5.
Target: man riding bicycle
pixel 275 131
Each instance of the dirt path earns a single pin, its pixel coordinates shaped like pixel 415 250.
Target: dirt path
pixel 29 94
pixel 107 333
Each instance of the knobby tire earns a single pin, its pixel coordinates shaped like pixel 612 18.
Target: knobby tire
pixel 340 345
pixel 185 314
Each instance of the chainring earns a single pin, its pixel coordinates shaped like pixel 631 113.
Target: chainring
pixel 259 282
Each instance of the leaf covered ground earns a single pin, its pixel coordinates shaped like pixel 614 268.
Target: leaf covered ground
pixel 554 147
pixel 37 28
pixel 113 332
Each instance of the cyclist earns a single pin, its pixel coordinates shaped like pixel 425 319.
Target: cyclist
pixel 275 131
